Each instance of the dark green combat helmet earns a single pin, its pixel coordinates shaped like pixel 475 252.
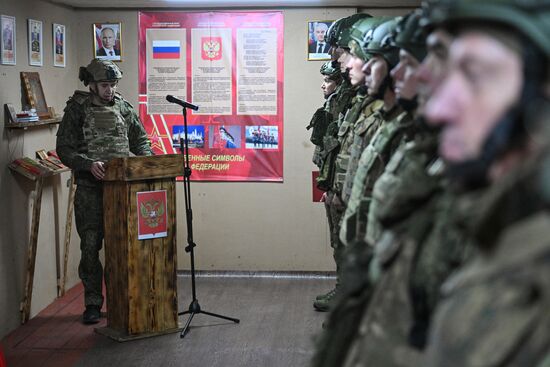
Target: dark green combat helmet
pixel 410 36
pixel 530 18
pixel 345 29
pixel 331 69
pixel 99 71
pixel 379 42
pixel 529 22
pixel 359 32
pixel 331 37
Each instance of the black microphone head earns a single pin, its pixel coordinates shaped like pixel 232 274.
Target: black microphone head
pixel 170 98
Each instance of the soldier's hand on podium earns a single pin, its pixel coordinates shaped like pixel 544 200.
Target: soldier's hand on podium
pixel 98 170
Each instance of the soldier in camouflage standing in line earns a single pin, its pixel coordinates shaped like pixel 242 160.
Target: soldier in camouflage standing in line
pixel 337 36
pixel 97 126
pixel 332 79
pixel 416 243
pixel 493 108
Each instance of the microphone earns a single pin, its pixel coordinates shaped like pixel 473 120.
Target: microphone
pixel 170 98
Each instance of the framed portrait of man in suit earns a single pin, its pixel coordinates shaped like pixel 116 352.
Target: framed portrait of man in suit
pixel 317 47
pixel 108 41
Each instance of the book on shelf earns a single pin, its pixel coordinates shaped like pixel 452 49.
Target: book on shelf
pixel 27 116
pixel 53 157
pixel 29 167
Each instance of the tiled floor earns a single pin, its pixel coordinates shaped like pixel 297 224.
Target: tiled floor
pixel 55 337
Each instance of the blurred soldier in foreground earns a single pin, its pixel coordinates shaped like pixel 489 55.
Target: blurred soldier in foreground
pixel 97 126
pixel 411 238
pixel 493 110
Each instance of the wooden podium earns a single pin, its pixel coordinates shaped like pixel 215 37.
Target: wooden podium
pixel 140 274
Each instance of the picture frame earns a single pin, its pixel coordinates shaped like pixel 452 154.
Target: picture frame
pixel 36 46
pixel 59 37
pixel 8 40
pixel 317 48
pixel 107 40
pixel 34 94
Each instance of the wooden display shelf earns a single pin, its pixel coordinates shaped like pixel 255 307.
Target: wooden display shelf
pixel 33 177
pixel 25 125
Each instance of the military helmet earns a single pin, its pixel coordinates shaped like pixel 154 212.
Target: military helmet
pixel 98 71
pixel 379 42
pixel 331 69
pixel 359 32
pixel 531 18
pixel 345 28
pixel 334 31
pixel 410 36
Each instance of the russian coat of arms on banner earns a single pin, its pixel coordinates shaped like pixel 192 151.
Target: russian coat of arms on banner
pixel 211 48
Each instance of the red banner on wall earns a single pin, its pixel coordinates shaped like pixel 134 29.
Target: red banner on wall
pixel 230 64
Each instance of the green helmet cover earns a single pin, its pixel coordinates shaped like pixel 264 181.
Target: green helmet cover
pixel 410 36
pixel 329 69
pixel 531 18
pixel 345 28
pixel 359 31
pixel 98 71
pixel 334 31
pixel 378 42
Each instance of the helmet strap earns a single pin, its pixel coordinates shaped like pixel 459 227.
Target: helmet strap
pixel 408 105
pixel 510 133
pixel 386 83
pixel 96 96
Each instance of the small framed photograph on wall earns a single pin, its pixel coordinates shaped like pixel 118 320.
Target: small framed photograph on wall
pixel 35 42
pixel 108 41
pixel 317 47
pixel 58 42
pixel 7 41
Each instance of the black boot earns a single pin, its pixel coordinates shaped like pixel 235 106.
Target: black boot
pixel 91 315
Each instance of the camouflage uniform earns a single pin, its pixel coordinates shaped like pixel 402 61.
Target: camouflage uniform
pixel 90 133
pixel 392 125
pixel 323 117
pixel 495 312
pixel 419 248
pixel 337 35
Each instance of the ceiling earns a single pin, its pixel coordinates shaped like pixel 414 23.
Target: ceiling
pixel 209 4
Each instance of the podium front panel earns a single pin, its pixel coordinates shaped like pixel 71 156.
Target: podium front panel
pixel 140 274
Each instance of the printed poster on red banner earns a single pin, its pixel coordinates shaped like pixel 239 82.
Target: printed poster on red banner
pixel 230 64
pixel 151 213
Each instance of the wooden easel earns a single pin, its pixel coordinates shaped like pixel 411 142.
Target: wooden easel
pixel 25 306
pixel 68 227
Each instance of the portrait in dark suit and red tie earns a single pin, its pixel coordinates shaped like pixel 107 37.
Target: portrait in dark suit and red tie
pixel 107 41
pixel 318 48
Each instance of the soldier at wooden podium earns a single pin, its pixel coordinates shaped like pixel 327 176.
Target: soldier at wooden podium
pixel 97 126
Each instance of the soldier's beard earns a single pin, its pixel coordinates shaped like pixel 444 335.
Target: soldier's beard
pixel 101 99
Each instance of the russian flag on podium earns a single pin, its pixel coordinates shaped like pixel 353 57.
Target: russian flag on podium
pixel 166 49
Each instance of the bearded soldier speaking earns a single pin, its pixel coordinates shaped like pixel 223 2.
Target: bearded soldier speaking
pixel 97 126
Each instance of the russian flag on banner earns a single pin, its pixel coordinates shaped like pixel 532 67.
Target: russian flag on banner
pixel 165 49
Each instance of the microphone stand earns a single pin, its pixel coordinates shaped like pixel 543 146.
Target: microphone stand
pixel 194 307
